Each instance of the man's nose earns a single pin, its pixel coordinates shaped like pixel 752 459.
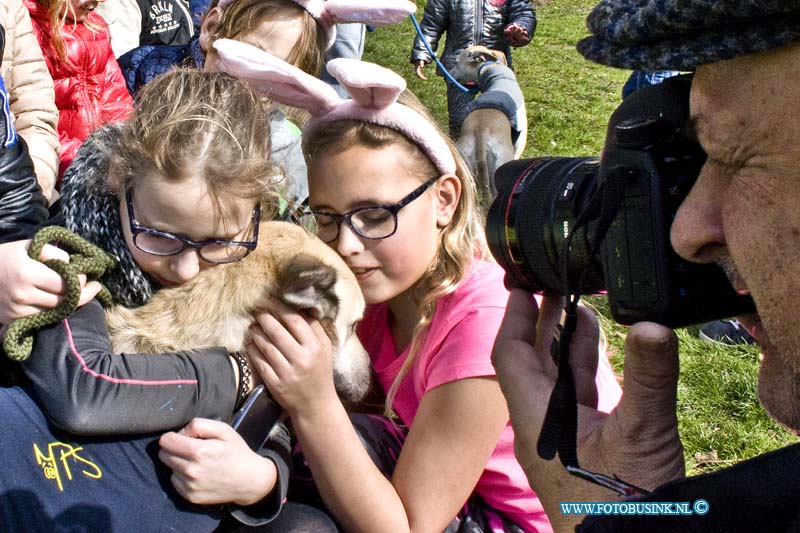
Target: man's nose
pixel 697 232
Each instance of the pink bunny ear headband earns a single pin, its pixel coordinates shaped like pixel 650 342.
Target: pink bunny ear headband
pixel 331 12
pixel 374 92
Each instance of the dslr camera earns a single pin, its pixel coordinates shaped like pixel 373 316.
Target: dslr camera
pixel 587 225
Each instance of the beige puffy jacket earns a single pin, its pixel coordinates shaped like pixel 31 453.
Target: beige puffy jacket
pixel 31 96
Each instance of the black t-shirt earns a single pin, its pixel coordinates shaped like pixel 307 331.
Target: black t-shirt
pixel 758 495
pixel 165 22
pixel 53 481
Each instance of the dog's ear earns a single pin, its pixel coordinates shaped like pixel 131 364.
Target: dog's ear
pixel 498 55
pixel 306 283
pixel 486 55
pixel 479 57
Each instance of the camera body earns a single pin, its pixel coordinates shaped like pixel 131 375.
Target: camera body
pixel 615 212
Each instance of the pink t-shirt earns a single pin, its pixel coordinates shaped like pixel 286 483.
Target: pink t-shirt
pixel 459 346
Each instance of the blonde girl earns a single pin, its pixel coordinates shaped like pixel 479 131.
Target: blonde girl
pixel 389 192
pixel 179 188
pixel 280 27
pixel 410 231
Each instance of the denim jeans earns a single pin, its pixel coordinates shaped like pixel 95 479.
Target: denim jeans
pixel 641 78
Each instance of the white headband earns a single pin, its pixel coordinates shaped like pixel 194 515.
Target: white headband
pixel 374 91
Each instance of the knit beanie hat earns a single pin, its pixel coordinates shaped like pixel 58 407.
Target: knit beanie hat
pixel 681 34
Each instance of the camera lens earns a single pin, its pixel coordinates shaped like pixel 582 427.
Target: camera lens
pixel 536 207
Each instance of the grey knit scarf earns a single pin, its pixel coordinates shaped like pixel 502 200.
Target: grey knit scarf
pixel 92 211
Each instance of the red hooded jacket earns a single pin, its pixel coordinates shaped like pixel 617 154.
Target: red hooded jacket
pixel 90 89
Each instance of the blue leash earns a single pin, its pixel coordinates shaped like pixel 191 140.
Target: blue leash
pixel 447 75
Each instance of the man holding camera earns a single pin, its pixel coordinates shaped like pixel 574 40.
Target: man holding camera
pixel 742 214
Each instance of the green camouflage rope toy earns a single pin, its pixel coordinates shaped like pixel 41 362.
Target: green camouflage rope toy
pixel 85 258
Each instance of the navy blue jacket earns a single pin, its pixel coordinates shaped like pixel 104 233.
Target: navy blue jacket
pixel 144 63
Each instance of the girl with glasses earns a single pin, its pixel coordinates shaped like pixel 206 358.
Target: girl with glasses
pixel 390 193
pixel 178 188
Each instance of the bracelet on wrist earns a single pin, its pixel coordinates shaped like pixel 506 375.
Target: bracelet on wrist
pixel 244 377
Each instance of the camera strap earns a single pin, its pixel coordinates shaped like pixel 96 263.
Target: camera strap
pixel 559 432
pixel 560 428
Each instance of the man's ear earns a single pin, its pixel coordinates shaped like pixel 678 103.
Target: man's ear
pixel 448 193
pixel 208 28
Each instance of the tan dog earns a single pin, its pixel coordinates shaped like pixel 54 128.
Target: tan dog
pixel 216 307
pixel 486 138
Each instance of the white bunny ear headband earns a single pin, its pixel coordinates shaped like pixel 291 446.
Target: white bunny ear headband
pixel 328 13
pixel 374 90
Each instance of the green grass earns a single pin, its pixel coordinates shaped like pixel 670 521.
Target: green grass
pixel 568 98
pixel 720 419
pixel 569 101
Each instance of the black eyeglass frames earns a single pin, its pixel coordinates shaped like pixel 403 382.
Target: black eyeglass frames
pixel 164 243
pixel 372 222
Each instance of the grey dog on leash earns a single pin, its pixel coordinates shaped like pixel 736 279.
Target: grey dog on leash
pixel 496 128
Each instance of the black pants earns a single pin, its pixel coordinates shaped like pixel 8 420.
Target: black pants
pixel 293 518
pixel 383 442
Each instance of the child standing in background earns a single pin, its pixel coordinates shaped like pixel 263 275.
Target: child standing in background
pixel 297 31
pixel 389 192
pixel 133 23
pixel 495 24
pixel 89 87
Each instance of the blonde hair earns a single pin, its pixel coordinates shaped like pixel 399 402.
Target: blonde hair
pixel 188 123
pixel 243 16
pixel 460 242
pixel 58 10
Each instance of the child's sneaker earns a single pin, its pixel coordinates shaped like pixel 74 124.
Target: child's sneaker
pixel 728 332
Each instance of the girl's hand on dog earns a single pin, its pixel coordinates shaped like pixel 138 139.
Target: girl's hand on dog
pixel 294 357
pixel 211 464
